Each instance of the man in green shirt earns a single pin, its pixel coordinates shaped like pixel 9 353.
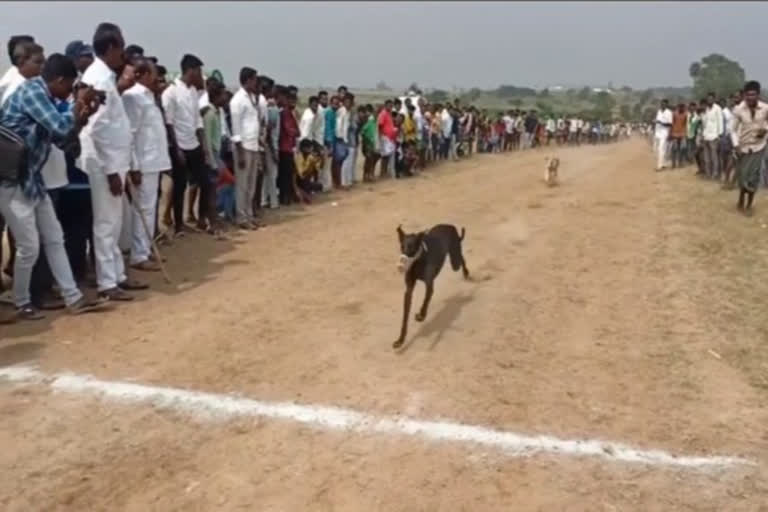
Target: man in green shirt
pixel 369 135
pixel 694 125
pixel 217 97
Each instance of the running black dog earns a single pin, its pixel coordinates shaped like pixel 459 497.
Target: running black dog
pixel 422 256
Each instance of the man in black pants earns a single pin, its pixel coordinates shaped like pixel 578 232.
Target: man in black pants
pixel 185 132
pixel 76 216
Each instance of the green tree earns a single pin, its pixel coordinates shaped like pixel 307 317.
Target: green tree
pixel 517 102
pixel 544 108
pixel 584 93
pixel 649 113
pixel 637 111
pixel 718 74
pixel 604 103
pixel 511 91
pixel 472 95
pixel 625 111
pixel 645 96
pixel 437 96
pixel 544 93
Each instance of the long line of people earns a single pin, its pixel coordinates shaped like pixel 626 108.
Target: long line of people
pixel 96 129
pixel 724 138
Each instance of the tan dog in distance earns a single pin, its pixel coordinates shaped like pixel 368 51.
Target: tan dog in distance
pixel 550 172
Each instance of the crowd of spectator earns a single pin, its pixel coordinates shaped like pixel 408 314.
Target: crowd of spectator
pixel 87 136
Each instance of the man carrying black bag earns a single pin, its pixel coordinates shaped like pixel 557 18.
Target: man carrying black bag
pixel 30 123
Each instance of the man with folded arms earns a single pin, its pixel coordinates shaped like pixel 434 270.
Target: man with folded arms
pixel 149 157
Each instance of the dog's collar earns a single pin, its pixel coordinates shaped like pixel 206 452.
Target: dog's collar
pixel 422 250
pixel 407 261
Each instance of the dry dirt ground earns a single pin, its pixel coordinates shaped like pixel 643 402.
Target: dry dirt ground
pixel 623 305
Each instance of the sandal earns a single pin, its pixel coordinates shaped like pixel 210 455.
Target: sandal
pixel 115 294
pixel 132 285
pixel 146 266
pixel 83 305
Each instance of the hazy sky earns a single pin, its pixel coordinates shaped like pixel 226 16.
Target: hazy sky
pixel 439 44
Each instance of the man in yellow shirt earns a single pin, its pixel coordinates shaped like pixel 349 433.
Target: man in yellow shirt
pixel 309 163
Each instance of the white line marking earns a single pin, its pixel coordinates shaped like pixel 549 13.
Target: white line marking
pixel 216 406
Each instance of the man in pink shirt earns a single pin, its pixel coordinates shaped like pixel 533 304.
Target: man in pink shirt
pixel 386 137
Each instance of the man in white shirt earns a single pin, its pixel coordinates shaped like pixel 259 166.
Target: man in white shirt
pixel 561 134
pixel 340 145
pixel 149 157
pixel 185 126
pixel 509 130
pixel 106 159
pixel 518 132
pixel 319 136
pixel 307 122
pixel 12 75
pixel 726 146
pixel 28 59
pixel 550 127
pixel 446 125
pixel 265 98
pixel 573 131
pixel 748 135
pixel 663 124
pixel 246 135
pixel 712 130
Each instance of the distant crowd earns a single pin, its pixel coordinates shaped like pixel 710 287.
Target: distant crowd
pixel 86 136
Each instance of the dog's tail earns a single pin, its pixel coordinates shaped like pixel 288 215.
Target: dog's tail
pixel 461 236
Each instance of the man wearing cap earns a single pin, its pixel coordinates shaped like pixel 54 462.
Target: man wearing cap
pixel 81 54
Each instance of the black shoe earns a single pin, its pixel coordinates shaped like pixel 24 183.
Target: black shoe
pixel 28 312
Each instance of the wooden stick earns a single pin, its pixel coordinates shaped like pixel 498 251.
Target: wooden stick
pixel 155 250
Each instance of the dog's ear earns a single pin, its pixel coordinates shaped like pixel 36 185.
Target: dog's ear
pixel 400 234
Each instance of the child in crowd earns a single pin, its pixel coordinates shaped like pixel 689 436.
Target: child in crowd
pixel 225 195
pixel 309 162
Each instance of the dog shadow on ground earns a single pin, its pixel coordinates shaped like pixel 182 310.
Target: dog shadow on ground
pixel 438 323
pixel 16 353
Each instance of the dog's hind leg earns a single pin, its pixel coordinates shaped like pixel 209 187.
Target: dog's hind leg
pixel 464 269
pixel 457 260
pixel 406 311
pixel 422 314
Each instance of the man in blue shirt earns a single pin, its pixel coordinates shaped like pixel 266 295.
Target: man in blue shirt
pixel 31 114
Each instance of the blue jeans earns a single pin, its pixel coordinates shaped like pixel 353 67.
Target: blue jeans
pixel 225 201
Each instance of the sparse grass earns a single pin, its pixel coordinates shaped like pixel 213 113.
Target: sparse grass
pixel 733 252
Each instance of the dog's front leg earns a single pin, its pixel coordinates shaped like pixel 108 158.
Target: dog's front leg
pixel 421 315
pixel 406 312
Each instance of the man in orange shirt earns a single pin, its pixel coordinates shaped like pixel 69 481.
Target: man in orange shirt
pixel 387 134
pixel 678 134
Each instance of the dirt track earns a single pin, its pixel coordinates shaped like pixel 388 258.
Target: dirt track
pixel 593 316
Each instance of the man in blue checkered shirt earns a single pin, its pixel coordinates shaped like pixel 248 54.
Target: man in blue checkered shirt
pixel 31 113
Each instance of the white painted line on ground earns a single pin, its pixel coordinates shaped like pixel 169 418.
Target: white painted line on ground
pixel 216 406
